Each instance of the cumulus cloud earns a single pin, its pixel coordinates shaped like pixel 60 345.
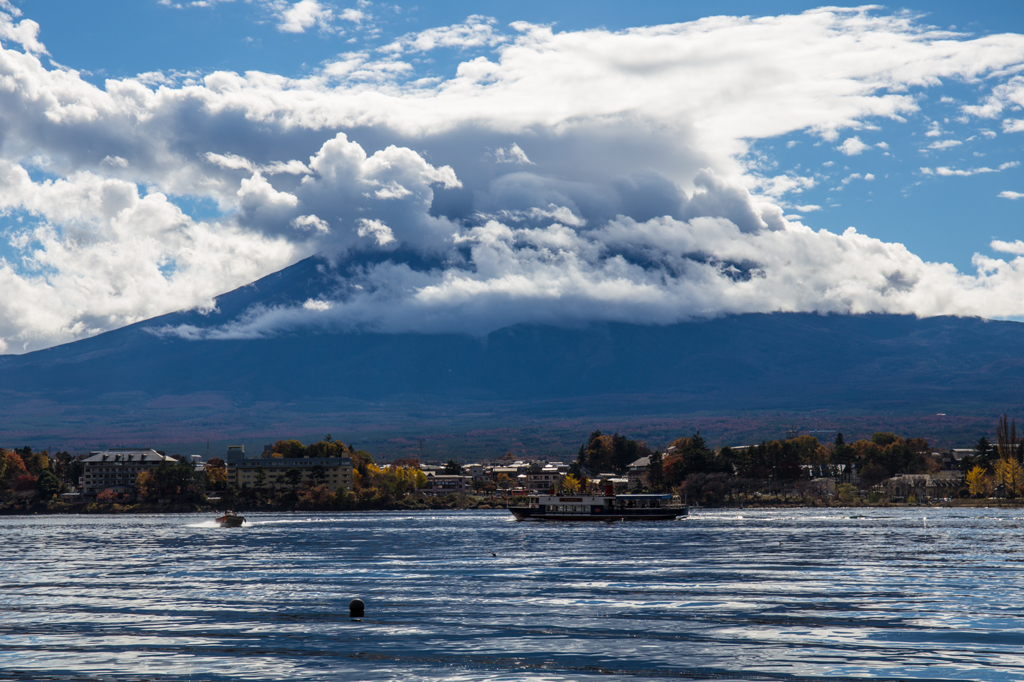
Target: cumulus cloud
pixel 1011 195
pixel 852 146
pixel 24 32
pixel 304 15
pixel 637 200
pixel 476 31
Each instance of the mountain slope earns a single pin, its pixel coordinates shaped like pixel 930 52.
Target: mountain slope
pixel 792 362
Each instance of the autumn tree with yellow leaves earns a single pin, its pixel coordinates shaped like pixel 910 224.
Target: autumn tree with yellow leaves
pixel 979 483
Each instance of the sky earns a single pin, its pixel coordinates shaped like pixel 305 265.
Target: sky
pixel 465 166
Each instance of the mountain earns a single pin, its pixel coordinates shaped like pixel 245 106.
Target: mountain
pixel 131 383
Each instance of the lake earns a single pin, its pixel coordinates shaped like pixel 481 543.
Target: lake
pixel 724 594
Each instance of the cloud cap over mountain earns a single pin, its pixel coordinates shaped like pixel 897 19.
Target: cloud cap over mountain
pixel 552 177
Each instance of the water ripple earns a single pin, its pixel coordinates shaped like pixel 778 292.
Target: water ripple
pixel 773 595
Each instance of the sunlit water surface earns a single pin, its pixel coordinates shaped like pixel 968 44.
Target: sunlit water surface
pixel 728 594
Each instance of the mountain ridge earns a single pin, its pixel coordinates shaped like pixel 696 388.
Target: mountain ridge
pixel 741 364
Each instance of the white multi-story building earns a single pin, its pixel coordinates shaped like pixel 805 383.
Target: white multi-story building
pixel 117 469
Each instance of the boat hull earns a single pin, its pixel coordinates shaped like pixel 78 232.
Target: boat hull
pixel 230 521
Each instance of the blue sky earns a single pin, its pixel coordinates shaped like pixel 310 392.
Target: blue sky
pixel 900 121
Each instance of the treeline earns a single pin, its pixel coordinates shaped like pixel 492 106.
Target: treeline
pixel 688 465
pixel 26 476
pixel 374 487
pixel 997 469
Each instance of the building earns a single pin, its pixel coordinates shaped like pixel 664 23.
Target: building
pixel 923 487
pixel 638 472
pixel 442 484
pixel 336 471
pixel 546 478
pixel 117 469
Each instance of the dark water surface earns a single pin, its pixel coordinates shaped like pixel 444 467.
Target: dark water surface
pixel 727 594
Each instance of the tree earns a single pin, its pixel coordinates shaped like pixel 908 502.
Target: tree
pixel 24 483
pixel 325 448
pixel 843 454
pixel 846 492
pixel 145 483
pixel 882 439
pixel 656 472
pixel 978 483
pixel 1010 475
pixel 11 467
pixel 452 468
pixel 318 473
pixel 570 484
pixel 261 477
pixel 107 496
pixel 983 449
pixel 35 462
pixel 1006 438
pixel 47 485
pixel 216 474
pixel 1007 469
pixel 67 469
pixel 175 479
pixel 293 477
pixel 872 475
pixel 290 448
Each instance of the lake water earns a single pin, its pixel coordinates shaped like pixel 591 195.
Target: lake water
pixel 724 594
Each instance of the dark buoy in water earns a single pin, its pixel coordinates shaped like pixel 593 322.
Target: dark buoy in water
pixel 356 607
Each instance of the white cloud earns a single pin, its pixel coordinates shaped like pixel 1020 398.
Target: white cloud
pixel 785 184
pixel 1015 247
pixel 945 144
pixel 356 16
pixel 1011 195
pixel 120 258
pixel 1013 125
pixel 377 230
pixel 852 146
pixel 24 32
pixel 476 31
pixel 304 15
pixel 635 202
pixel 311 222
pixel 513 154
pixel 882 145
pixel 557 275
pixel 967 172
pixel 1003 95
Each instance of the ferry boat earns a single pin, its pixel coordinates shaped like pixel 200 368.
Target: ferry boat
pixel 608 507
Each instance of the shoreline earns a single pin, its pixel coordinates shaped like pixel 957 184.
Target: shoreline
pixel 445 504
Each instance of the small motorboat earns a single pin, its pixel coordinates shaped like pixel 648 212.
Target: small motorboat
pixel 230 520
